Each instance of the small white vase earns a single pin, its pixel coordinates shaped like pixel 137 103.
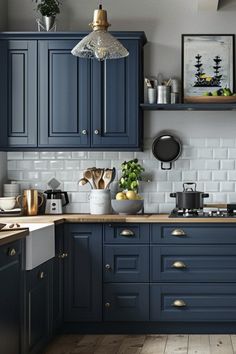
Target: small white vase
pixel 48 22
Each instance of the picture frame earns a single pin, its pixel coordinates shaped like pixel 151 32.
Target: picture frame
pixel 207 66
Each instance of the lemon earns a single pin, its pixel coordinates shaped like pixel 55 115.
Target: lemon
pixel 131 195
pixel 120 196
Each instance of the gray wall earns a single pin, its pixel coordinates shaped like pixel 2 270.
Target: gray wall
pixel 202 132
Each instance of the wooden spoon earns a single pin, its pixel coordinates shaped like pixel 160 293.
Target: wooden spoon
pixel 107 178
pixel 89 176
pixel 84 181
pixel 97 176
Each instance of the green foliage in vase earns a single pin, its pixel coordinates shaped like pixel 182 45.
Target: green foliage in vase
pixel 131 175
pixel 48 7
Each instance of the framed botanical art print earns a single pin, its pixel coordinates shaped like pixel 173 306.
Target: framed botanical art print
pixel 207 64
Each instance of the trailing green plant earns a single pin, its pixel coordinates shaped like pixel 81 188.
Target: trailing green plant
pixel 131 175
pixel 48 7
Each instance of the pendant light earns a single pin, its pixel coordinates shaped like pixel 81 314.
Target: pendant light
pixel 100 44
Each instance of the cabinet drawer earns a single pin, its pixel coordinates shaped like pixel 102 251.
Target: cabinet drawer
pixel 193 302
pixel 10 252
pixel 216 263
pixel 126 302
pixel 193 233
pixel 126 263
pixel 126 233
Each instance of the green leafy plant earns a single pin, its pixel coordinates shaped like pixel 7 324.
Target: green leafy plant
pixel 48 7
pixel 131 175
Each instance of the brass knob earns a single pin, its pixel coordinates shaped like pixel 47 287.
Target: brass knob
pixel 179 303
pixel 63 255
pixel 84 132
pixel 41 275
pixel 12 252
pixel 179 265
pixel 108 267
pixel 126 233
pixel 96 131
pixel 107 304
pixel 178 232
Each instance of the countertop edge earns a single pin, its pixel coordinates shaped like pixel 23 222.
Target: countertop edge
pixel 11 236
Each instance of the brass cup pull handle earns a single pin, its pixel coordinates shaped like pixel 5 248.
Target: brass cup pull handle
pixel 179 303
pixel 127 233
pixel 178 232
pixel 12 252
pixel 178 265
pixel 41 275
pixel 108 267
pixel 63 255
pixel 107 304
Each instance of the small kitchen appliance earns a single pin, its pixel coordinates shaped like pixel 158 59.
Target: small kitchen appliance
pixel 56 200
pixel 229 211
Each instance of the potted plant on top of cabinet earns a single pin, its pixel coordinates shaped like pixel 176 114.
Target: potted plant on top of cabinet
pixel 48 9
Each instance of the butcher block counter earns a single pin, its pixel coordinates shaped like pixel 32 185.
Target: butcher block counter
pixel 11 236
pixel 112 218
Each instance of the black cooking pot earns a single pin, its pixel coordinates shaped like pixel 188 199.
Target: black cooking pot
pixel 189 198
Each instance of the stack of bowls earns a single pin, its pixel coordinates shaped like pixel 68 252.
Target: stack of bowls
pixel 11 190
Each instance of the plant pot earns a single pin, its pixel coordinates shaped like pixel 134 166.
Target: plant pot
pixel 48 22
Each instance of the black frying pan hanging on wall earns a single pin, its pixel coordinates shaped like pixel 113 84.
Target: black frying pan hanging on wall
pixel 166 148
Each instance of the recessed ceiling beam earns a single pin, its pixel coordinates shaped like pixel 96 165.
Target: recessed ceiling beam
pixel 208 5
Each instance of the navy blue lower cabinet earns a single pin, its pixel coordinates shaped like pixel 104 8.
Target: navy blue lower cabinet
pixel 11 278
pixel 126 233
pixel 211 263
pixel 126 263
pixel 38 307
pixel 193 233
pixel 58 277
pixel 126 302
pixel 193 302
pixel 83 273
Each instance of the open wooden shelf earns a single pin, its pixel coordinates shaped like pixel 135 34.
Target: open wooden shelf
pixel 189 107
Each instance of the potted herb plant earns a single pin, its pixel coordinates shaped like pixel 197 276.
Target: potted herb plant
pixel 48 9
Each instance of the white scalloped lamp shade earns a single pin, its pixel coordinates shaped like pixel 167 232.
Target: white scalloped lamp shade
pixel 100 44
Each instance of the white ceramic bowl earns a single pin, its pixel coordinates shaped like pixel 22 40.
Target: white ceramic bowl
pixel 7 203
pixel 126 207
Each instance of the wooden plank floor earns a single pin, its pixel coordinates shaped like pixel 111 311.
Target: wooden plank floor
pixel 143 344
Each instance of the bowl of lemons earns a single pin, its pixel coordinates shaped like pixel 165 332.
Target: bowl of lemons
pixel 127 202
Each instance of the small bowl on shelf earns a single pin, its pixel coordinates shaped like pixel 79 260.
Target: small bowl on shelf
pixel 127 207
pixel 7 203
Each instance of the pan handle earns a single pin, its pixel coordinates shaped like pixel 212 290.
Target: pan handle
pixel 205 195
pixel 166 168
pixel 173 195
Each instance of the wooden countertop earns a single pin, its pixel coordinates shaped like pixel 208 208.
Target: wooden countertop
pixel 87 218
pixel 10 236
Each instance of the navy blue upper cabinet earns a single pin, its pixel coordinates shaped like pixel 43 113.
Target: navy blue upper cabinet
pixel 116 87
pixel 18 93
pixel 64 95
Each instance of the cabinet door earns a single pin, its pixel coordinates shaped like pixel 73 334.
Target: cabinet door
pixel 126 302
pixel 10 298
pixel 18 93
pixel 64 95
pixel 83 272
pixel 58 262
pixel 116 117
pixel 39 291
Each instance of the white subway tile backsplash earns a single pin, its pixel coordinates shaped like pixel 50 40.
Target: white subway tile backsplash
pixel 15 155
pixel 219 175
pixel 208 161
pixel 227 164
pixel 220 153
